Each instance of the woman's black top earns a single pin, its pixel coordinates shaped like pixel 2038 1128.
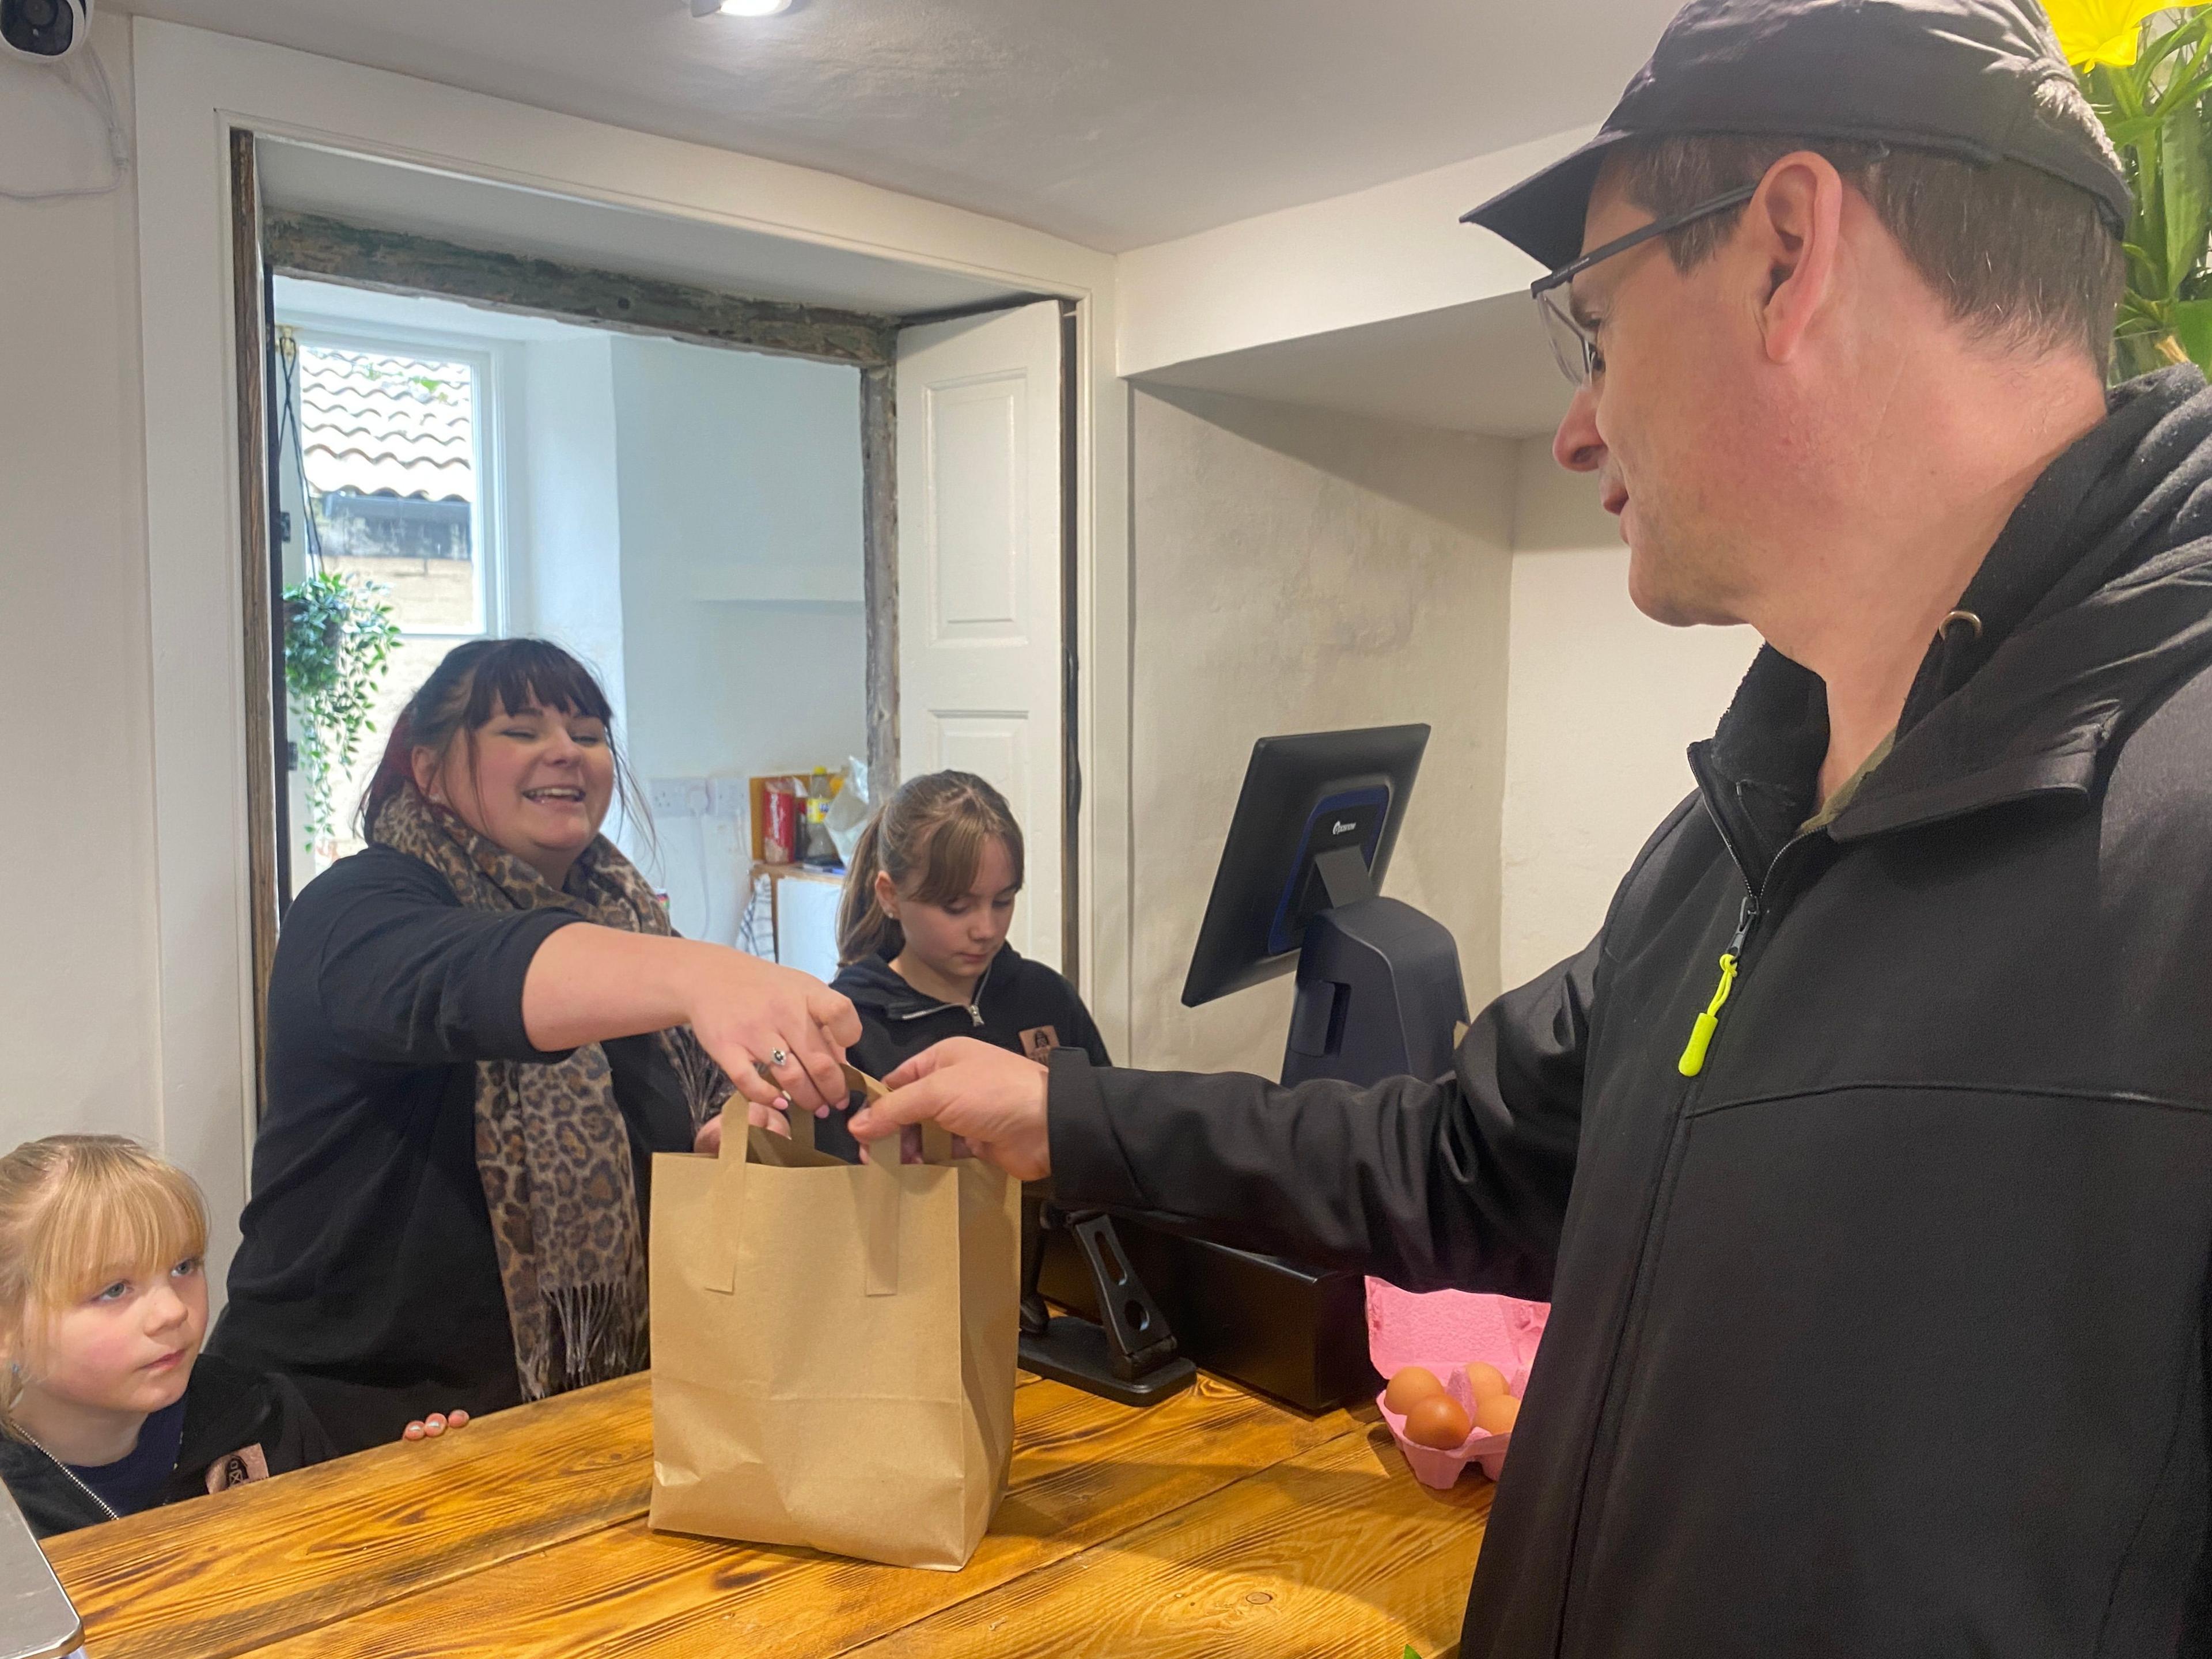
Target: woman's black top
pixel 1019 1004
pixel 367 1273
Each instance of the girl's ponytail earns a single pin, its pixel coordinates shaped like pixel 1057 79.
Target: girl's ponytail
pixel 863 928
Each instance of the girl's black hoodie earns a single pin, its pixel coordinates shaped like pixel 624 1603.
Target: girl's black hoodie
pixel 239 1425
pixel 1019 1005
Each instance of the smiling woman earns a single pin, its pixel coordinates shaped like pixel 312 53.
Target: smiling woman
pixel 481 1028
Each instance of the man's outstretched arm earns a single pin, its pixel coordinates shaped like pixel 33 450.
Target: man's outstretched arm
pixel 1460 1181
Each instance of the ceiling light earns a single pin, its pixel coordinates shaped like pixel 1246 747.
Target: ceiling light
pixel 739 8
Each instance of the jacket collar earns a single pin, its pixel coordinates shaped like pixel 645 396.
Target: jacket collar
pixel 872 983
pixel 2095 596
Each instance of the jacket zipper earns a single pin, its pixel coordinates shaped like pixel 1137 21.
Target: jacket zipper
pixel 1701 1032
pixel 1692 1066
pixel 974 1008
pixel 975 1013
pixel 73 1480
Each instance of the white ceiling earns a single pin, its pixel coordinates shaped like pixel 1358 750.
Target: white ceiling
pixel 1479 367
pixel 389 196
pixel 1113 123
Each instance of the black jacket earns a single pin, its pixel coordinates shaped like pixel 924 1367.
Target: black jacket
pixel 1019 1005
pixel 367 1272
pixel 227 1411
pixel 1885 1333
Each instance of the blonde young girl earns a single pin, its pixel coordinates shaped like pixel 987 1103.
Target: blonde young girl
pixel 108 1404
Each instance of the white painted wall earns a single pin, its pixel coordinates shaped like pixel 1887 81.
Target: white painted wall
pixel 1396 250
pixel 564 539
pixel 1602 704
pixel 79 1006
pixel 737 471
pixel 1296 571
pixel 746 642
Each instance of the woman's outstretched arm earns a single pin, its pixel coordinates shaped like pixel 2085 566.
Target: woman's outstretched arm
pixel 588 983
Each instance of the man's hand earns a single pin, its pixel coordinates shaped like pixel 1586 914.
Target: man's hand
pixel 993 1099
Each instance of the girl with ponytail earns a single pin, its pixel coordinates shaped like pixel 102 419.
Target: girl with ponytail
pixel 922 935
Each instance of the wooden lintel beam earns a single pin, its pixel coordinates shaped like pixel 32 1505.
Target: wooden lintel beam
pixel 401 262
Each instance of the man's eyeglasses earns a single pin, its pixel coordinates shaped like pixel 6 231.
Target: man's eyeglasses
pixel 1574 343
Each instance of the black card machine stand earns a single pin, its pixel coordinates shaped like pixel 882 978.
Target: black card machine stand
pixel 1128 1354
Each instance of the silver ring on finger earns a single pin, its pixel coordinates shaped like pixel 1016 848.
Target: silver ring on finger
pixel 778 1058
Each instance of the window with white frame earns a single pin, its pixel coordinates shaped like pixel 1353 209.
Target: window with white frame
pixel 391 441
pixel 396 473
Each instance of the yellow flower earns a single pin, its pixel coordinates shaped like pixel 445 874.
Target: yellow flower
pixel 2105 31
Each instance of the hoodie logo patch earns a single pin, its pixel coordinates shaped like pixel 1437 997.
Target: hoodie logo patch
pixel 1039 1041
pixel 246 1463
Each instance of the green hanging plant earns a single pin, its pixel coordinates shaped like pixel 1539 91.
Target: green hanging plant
pixel 2147 71
pixel 338 636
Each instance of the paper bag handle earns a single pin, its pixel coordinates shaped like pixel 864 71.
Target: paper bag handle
pixel 879 1196
pixel 936 1141
pixel 879 1216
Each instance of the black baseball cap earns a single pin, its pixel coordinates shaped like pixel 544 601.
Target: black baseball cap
pixel 1954 76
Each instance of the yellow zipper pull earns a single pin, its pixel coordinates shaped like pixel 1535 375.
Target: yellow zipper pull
pixel 1701 1034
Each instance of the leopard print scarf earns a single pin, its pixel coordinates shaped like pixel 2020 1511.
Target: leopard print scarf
pixel 552 1150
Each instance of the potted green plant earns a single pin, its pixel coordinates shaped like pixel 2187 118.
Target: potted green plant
pixel 2147 69
pixel 338 636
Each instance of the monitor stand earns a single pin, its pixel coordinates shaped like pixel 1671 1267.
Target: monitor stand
pixel 1129 1354
pixel 1379 996
pixel 1379 989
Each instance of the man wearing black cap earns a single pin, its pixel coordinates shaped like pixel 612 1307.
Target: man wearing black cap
pixel 1866 1155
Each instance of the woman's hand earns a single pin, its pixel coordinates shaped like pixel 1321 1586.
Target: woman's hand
pixel 992 1099
pixel 779 1034
pixel 430 1427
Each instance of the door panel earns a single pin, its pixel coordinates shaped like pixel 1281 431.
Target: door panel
pixel 980 527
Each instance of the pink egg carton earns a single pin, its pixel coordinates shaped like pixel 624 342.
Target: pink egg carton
pixel 1447 1331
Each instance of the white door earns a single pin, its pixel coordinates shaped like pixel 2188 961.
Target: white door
pixel 979 570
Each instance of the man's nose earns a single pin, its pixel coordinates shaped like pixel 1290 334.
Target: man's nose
pixel 1576 446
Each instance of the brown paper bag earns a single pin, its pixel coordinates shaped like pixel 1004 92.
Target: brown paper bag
pixel 833 1347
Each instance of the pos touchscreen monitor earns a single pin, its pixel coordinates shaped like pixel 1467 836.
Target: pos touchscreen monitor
pixel 1378 995
pixel 1315 826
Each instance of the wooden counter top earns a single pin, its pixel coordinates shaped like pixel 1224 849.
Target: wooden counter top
pixel 1219 1522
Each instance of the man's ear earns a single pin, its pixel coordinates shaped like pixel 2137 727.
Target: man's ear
pixel 1795 222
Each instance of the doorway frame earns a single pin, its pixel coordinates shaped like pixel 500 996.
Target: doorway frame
pixel 322 249
pixel 194 90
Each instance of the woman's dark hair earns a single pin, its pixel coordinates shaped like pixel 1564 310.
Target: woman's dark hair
pixel 464 690
pixel 929 839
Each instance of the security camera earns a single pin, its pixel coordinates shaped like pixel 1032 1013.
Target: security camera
pixel 48 30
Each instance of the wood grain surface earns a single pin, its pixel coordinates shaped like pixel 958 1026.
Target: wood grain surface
pixel 224 1575
pixel 1337 1551
pixel 1218 1522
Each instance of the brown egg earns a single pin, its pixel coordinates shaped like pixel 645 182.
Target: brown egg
pixel 1436 1421
pixel 1409 1386
pixel 1497 1414
pixel 1486 1381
